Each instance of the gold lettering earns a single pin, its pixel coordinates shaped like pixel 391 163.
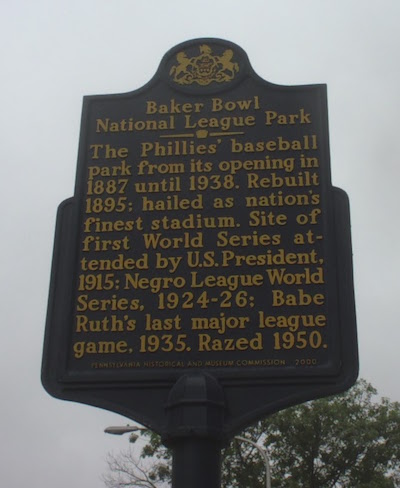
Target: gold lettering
pixel 101 347
pixel 279 298
pixel 290 322
pixel 207 343
pixel 220 324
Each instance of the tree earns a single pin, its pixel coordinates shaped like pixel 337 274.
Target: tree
pixel 344 441
pixel 151 470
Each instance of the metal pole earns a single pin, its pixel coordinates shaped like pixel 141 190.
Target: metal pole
pixel 265 457
pixel 194 431
pixel 196 463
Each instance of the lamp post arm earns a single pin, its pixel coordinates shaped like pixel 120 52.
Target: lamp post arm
pixel 264 456
pixel 121 429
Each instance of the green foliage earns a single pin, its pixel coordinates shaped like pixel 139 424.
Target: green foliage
pixel 344 441
pixel 161 456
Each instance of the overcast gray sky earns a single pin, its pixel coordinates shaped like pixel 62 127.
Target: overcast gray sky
pixel 53 53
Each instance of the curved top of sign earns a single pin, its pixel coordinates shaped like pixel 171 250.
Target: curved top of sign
pixel 205 66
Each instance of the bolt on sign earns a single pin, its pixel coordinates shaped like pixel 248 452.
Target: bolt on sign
pixel 204 235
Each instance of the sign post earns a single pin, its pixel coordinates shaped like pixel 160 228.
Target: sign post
pixel 202 272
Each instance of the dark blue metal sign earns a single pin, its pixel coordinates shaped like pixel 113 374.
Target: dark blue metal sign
pixel 204 236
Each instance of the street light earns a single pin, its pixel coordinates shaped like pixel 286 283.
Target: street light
pixel 265 457
pixel 122 429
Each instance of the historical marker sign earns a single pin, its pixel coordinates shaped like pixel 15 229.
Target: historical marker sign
pixel 204 235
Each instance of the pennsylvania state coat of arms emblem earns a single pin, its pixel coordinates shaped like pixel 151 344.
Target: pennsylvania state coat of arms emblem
pixel 205 68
